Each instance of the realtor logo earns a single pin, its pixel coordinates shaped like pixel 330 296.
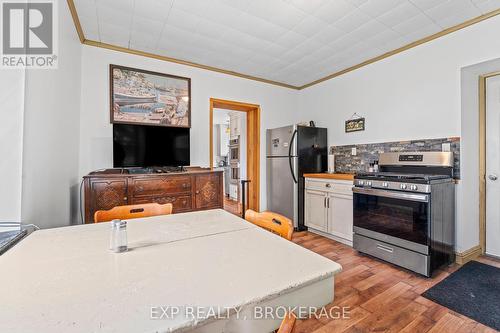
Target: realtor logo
pixel 28 34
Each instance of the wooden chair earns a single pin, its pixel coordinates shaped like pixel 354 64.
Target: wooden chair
pixel 132 212
pixel 270 221
pixel 287 323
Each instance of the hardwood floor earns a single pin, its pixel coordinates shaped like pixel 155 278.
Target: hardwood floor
pixel 232 206
pixel 381 297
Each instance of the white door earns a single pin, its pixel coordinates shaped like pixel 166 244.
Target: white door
pixel 340 215
pixel 493 166
pixel 315 210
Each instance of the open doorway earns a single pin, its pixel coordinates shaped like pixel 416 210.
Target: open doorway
pixel 235 148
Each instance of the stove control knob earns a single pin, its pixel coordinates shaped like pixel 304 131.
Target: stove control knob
pixel 368 183
pixel 361 183
pixel 414 187
pixel 403 186
pixel 385 184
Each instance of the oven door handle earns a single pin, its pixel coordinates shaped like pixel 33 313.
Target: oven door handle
pixel 392 194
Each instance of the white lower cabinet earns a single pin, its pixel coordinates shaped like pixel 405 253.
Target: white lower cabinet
pixel 328 208
pixel 316 214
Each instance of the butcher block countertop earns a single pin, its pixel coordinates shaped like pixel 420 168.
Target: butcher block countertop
pixel 337 176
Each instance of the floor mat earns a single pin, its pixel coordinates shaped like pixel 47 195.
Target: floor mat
pixel 473 291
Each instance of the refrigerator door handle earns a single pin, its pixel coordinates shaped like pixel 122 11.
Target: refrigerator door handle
pixel 290 156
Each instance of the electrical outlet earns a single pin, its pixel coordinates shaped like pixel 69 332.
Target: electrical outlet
pixel 353 151
pixel 446 147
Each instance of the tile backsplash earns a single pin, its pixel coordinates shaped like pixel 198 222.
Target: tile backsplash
pixel 367 153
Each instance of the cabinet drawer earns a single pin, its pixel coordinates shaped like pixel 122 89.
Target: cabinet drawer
pixel 326 185
pixel 180 203
pixel 414 261
pixel 160 185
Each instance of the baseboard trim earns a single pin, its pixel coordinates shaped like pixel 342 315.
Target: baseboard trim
pixel 330 236
pixel 468 255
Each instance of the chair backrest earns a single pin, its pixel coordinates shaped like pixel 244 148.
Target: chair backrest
pixel 132 212
pixel 287 323
pixel 273 222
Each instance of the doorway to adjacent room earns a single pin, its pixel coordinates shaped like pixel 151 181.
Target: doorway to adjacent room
pixel 490 163
pixel 235 148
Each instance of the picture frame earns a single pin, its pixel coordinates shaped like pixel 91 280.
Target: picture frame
pixel 141 97
pixel 355 125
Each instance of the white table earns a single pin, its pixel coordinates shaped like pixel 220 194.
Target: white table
pixel 66 279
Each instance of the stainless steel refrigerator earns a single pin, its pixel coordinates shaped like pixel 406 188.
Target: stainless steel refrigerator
pixel 291 152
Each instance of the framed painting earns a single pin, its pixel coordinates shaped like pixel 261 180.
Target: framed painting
pixel 148 98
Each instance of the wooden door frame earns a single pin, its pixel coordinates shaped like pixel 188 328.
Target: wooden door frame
pixel 482 159
pixel 253 144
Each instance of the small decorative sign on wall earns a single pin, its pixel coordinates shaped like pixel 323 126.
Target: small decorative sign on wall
pixel 356 123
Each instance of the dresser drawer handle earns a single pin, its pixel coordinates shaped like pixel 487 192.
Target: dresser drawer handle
pixel 328 185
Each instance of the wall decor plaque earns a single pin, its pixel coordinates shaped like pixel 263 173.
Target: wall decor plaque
pixel 354 125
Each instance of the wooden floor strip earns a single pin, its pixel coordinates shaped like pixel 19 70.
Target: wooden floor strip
pixel 380 297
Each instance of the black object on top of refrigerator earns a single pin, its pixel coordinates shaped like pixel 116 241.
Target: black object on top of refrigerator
pixel 291 152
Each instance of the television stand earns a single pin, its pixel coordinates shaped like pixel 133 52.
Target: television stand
pixel 186 188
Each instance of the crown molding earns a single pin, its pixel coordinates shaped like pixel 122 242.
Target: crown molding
pixel 424 40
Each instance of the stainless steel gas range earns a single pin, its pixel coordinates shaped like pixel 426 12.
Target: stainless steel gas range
pixel 405 214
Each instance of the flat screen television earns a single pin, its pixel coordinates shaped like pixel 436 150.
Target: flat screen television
pixel 149 146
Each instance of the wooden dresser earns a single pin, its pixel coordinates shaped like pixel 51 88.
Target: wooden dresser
pixel 194 189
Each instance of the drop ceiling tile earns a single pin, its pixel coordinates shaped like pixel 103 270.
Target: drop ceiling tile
pixel 310 26
pixel 143 48
pixel 394 44
pixel 343 42
pixel 488 6
pixel 413 24
pixel 120 16
pixel 157 10
pixel 375 8
pixel 357 3
pixel 114 32
pixel 210 29
pixel 308 6
pixel 352 21
pixel 241 39
pixel 428 4
pixel 328 35
pixel 237 4
pixel 147 26
pixel 458 17
pixel 195 7
pixel 307 47
pixel 368 30
pixel 290 39
pixel 277 12
pixel 114 39
pixel 121 5
pixel 183 20
pixel 422 32
pixel 256 26
pixel 333 11
pixel 451 8
pixel 86 8
pixel 89 26
pixel 399 14
pixel 172 36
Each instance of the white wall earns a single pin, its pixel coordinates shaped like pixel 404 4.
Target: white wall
pixel 412 95
pixel 51 135
pixel 11 141
pixel 278 106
